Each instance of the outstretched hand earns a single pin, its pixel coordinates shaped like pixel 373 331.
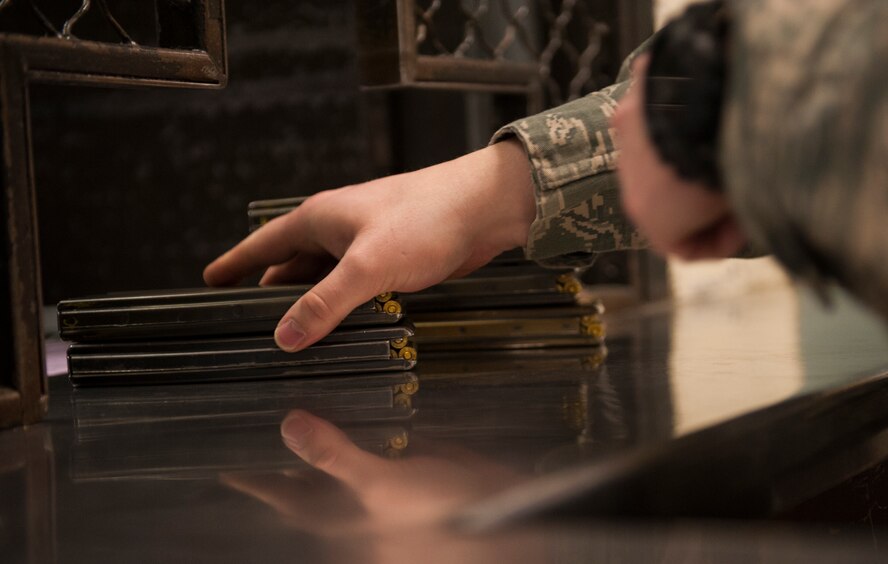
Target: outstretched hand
pixel 679 217
pixel 377 494
pixel 400 233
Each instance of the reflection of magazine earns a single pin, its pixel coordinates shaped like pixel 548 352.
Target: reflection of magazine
pixel 193 431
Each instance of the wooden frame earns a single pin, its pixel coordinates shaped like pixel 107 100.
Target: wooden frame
pixel 26 59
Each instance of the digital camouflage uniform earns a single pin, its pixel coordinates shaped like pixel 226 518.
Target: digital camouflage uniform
pixel 804 148
pixel 805 138
pixel 573 162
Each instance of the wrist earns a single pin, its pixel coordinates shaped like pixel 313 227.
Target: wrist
pixel 505 206
pixel 517 188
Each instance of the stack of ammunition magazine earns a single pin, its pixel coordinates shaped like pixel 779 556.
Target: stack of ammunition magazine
pixel 221 334
pixel 512 303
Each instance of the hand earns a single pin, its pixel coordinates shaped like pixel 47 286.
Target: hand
pixel 679 217
pixel 373 509
pixel 378 495
pixel 401 233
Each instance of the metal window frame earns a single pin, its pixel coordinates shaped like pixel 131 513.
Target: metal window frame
pixel 388 54
pixel 388 58
pixel 28 59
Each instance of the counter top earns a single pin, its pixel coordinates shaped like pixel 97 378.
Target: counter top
pixel 738 410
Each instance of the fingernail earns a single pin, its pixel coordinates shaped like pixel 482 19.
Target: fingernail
pixel 294 430
pixel 288 336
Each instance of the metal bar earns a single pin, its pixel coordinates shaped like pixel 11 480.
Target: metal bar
pixel 430 68
pixel 407 40
pixel 44 21
pixel 85 6
pixel 20 242
pixel 456 86
pixel 52 58
pixel 212 26
pixel 71 78
pixel 103 6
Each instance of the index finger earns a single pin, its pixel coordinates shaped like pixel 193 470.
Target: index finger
pixel 274 243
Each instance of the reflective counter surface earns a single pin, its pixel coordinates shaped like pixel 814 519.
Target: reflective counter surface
pixel 682 442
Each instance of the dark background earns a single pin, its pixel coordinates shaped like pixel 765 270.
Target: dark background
pixel 139 189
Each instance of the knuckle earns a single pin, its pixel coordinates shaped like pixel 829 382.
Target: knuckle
pixel 317 198
pixel 320 199
pixel 324 458
pixel 317 306
pixel 363 268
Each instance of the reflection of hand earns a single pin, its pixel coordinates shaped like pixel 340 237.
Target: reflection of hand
pixel 386 510
pixel 380 494
pixel 401 233
pixel 679 217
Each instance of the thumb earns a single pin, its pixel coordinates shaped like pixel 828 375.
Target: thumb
pixel 327 448
pixel 324 306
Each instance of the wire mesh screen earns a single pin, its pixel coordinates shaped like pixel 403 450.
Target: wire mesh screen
pixel 64 26
pixel 562 39
pixel 144 23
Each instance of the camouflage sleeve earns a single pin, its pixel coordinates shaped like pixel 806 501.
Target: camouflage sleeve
pixel 573 160
pixel 805 138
